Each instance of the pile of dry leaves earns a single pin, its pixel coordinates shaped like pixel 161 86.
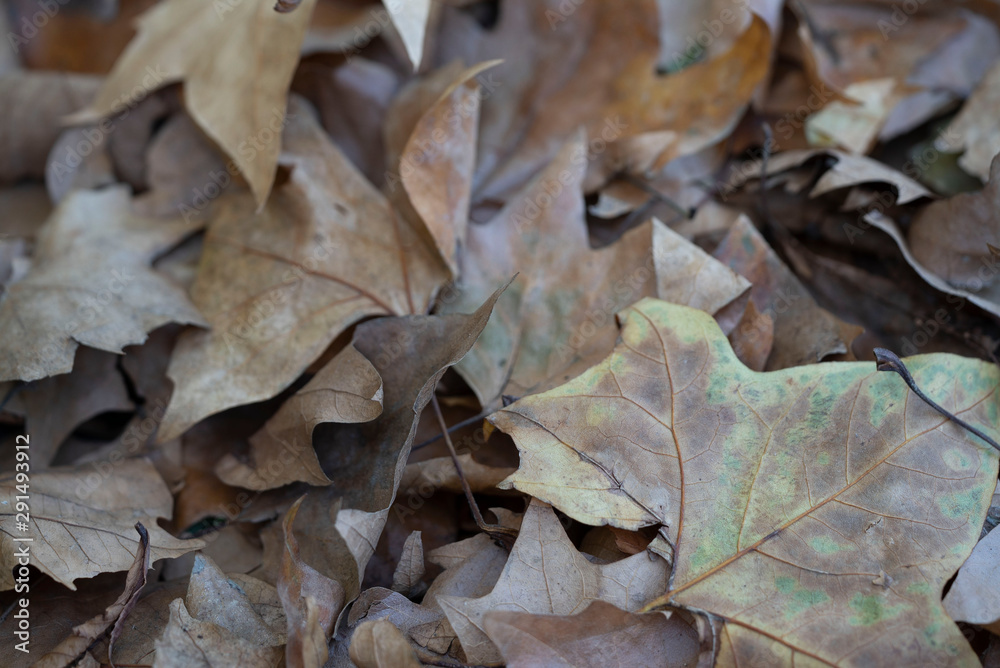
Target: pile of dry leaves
pixel 524 332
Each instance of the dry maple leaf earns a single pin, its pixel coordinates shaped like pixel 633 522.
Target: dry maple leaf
pixel 90 282
pixel 559 315
pixel 546 574
pixel 785 493
pixel 236 60
pixel 279 286
pixel 83 525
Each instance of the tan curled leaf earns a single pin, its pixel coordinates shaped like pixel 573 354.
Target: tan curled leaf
pixel 90 282
pixel 82 520
pixel 346 390
pixel 601 635
pixel 312 602
pixel 236 61
pixel 338 527
pixel 786 495
pixel 546 574
pixel 279 286
pixel 431 132
pixel 75 646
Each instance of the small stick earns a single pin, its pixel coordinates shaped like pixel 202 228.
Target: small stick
pixel 503 535
pixel 886 360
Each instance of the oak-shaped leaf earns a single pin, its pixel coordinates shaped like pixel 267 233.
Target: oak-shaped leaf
pixel 236 60
pixel 81 520
pixel 90 283
pixel 546 574
pixel 817 510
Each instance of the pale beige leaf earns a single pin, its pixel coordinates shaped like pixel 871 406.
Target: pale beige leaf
pixel 379 644
pixel 410 569
pixel 236 60
pixel 90 283
pixel 974 597
pixel 191 643
pixel 279 286
pixel 546 574
pixel 685 274
pixel 82 521
pixel 410 18
pixel 974 129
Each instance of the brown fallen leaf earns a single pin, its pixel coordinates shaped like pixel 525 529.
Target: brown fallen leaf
pixel 338 526
pixel 242 604
pixel 410 569
pixel 312 602
pixel 379 644
pixel 601 635
pixel 431 132
pixel 770 485
pixel 81 525
pixel 546 574
pixel 348 389
pixel 554 82
pixel 974 596
pixel 32 104
pixel 237 100
pixel 93 387
pixel 89 283
pixel 804 333
pixel 559 316
pixel 753 338
pixel 76 646
pixel 191 643
pixel 952 238
pixel 971 133
pixel 279 286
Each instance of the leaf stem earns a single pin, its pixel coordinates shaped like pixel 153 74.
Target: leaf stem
pixel 886 360
pixel 503 535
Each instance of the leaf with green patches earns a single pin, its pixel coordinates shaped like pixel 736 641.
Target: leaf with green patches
pixel 817 510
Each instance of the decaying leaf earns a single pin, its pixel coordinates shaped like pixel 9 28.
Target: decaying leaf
pixel 277 287
pixel 601 635
pixel 792 488
pixel 546 574
pixel 81 520
pixel 338 526
pixel 312 602
pixel 974 596
pixel 89 283
pixel 410 19
pixel 76 646
pixel 559 315
pixel 239 101
pixel 191 643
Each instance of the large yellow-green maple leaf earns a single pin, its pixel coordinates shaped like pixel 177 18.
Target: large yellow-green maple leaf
pixel 817 510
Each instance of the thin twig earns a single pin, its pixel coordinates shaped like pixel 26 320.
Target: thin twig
pixel 503 535
pixel 886 360
pixel 455 427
